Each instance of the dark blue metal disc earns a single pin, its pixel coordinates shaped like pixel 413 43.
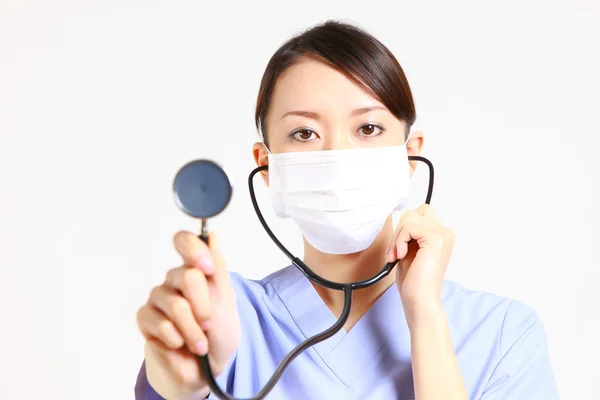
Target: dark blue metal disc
pixel 202 189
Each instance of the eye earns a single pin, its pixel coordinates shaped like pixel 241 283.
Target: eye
pixel 370 130
pixel 304 135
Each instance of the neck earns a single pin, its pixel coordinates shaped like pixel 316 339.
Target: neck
pixel 345 268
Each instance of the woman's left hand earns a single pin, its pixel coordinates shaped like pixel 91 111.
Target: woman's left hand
pixel 422 266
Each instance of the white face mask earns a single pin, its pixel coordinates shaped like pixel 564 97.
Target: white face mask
pixel 340 199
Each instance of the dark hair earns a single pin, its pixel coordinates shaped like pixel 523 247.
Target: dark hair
pixel 355 53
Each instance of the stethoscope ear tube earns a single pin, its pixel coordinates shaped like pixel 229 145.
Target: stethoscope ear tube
pixel 430 166
pixel 347 288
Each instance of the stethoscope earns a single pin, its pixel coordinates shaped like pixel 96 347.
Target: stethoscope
pixel 202 189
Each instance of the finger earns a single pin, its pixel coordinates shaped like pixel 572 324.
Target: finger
pixel 191 282
pixel 155 325
pixel 221 272
pixel 406 234
pixel 412 226
pixel 391 251
pixel 194 251
pixel 426 211
pixel 179 311
pixel 421 230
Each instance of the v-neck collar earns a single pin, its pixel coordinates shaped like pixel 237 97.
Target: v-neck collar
pixel 347 354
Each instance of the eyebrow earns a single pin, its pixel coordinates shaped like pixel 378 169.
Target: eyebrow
pixel 314 115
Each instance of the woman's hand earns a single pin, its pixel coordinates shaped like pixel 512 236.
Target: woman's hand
pixel 420 271
pixel 424 246
pixel 191 313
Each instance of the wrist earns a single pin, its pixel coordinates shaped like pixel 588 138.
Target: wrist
pixel 425 315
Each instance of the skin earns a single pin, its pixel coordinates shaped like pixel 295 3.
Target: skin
pixel 313 108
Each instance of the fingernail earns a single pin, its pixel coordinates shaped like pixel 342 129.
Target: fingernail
pixel 206 265
pixel 201 347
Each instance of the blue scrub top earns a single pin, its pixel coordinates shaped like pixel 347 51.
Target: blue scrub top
pixel 500 345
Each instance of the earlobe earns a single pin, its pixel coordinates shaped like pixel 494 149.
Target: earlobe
pixel 261 157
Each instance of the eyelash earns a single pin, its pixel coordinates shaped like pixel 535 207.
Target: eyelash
pixel 297 131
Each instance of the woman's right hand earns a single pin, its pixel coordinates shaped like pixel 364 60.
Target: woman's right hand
pixel 192 312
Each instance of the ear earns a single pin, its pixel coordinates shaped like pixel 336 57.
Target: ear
pixel 261 157
pixel 414 147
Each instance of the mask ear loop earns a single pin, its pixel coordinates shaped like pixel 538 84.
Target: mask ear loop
pixel 261 136
pixel 410 133
pixel 266 147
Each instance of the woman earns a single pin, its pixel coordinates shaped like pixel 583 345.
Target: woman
pixel 335 100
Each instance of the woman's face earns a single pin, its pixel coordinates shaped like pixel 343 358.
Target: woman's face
pixel 315 107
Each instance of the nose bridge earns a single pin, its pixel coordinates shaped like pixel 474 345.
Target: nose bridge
pixel 338 137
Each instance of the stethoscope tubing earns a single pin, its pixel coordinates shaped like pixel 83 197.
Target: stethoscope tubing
pixel 347 288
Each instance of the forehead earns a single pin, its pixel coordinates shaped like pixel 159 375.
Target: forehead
pixel 310 83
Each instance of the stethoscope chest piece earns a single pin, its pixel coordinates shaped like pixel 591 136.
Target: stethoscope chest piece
pixel 202 189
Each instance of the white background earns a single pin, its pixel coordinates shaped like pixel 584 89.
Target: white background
pixel 101 102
